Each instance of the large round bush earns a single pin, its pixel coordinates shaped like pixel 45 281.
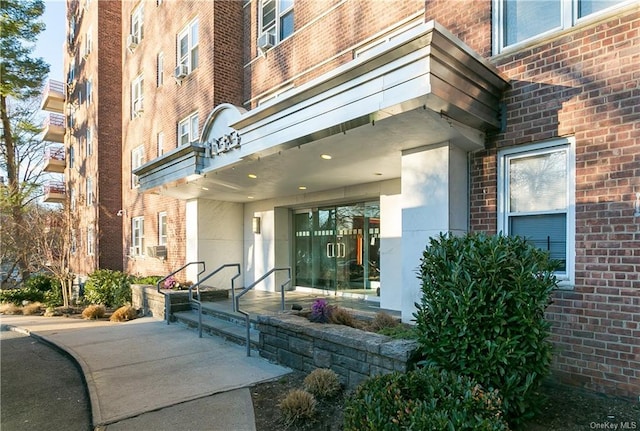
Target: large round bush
pixel 428 399
pixel 109 288
pixel 482 314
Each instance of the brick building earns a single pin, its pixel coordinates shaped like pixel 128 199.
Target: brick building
pixel 336 137
pixel 85 121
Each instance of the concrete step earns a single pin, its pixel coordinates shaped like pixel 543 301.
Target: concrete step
pixel 234 332
pixel 227 315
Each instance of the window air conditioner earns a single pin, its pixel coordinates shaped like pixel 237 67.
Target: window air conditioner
pixel 157 251
pixel 133 251
pixel 132 42
pixel 181 71
pixel 266 41
pixel 71 85
pixel 138 109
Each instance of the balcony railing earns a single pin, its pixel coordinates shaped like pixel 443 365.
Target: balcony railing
pixel 54 159
pixel 54 126
pixel 53 96
pixel 54 192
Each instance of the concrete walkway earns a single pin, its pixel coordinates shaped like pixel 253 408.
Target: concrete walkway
pixel 145 374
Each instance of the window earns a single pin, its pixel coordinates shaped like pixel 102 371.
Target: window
pixel 72 156
pixel 536 199
pixel 188 46
pixel 89 141
pixel 188 130
pixel 90 240
pixel 89 184
pixel 89 91
pixel 276 18
pixel 137 97
pixel 160 143
pixel 160 70
pixel 136 24
pixel 137 160
pixel 162 228
pixel 74 242
pixel 88 42
pixel 72 198
pixel 517 21
pixel 137 236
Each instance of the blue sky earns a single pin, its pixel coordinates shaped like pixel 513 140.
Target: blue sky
pixel 50 42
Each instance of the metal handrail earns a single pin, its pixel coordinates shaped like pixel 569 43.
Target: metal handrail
pixel 196 286
pixel 167 301
pixel 236 299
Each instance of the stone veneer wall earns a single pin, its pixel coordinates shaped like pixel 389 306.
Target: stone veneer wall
pixel 353 354
pixel 147 298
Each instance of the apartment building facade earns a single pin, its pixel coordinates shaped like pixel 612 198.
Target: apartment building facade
pixel 85 125
pixel 336 137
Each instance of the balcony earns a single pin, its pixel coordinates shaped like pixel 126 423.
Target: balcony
pixel 54 159
pixel 54 192
pixel 53 97
pixel 54 128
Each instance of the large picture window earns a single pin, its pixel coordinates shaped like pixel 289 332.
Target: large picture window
pixel 536 191
pixel 517 21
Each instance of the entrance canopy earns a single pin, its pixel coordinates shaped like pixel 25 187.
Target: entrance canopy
pixel 347 127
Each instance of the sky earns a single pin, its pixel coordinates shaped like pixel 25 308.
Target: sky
pixel 50 42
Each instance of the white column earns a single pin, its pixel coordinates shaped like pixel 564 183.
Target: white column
pixel 434 200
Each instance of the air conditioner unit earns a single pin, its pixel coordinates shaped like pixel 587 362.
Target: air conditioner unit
pixel 71 86
pixel 138 108
pixel 266 41
pixel 133 251
pixel 157 251
pixel 132 42
pixel 181 71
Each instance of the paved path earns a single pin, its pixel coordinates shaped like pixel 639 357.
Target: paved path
pixel 145 374
pixel 42 389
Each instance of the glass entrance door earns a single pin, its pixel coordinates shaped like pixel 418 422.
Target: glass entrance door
pixel 338 248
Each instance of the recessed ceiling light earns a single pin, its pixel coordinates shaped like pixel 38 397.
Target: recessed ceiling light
pixel 302 187
pixel 205 188
pixel 252 176
pixel 326 156
pixel 377 173
pixel 249 197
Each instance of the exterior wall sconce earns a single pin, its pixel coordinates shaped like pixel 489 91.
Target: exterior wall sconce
pixel 255 225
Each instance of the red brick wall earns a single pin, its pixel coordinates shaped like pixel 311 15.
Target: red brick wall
pixel 583 82
pixel 323 33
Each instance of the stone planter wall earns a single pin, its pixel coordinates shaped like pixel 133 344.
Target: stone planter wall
pixel 353 354
pixel 147 298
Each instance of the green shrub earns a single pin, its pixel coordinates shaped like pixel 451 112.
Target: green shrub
pixel 425 399
pixel 109 288
pixel 149 279
pixel 482 314
pixel 42 283
pixel 19 296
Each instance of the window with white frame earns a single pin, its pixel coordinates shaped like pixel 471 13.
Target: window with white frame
pixel 74 242
pixel 160 143
pixel 136 23
pixel 188 129
pixel 90 197
pixel 537 199
pixel 517 21
pixel 137 96
pixel 187 43
pixel 162 228
pixel 89 141
pixel 88 42
pixel 276 18
pixel 137 236
pixel 160 70
pixel 72 198
pixel 89 91
pixel 137 160
pixel 90 240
